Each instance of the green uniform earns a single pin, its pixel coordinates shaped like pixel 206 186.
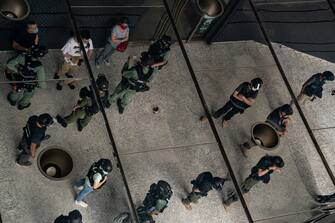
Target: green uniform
pixel 80 113
pixel 23 93
pixel 126 89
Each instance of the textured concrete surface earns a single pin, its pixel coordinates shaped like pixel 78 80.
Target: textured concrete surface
pixel 171 145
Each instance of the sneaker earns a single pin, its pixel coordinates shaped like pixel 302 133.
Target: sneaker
pixel 20 107
pixel 203 118
pixel 59 87
pixel 78 188
pixel 187 205
pixel 225 205
pixel 71 86
pixel 79 126
pixel 61 121
pixel 81 203
pixel 121 109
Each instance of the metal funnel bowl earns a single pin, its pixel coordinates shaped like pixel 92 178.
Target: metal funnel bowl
pixel 14 10
pixel 55 163
pixel 212 8
pixel 265 136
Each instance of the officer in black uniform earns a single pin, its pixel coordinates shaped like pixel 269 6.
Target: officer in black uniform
pixel 155 202
pixel 94 180
pixel 159 51
pixel 73 217
pixel 33 135
pixel 204 183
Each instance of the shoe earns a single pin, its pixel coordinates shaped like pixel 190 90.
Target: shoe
pixel 203 118
pixel 59 87
pixel 107 63
pixel 224 123
pixel 72 86
pixel 243 150
pixel 187 206
pixel 121 109
pixel 20 107
pixel 79 127
pixel 12 103
pixel 56 76
pixel 81 203
pixel 61 121
pixel 225 205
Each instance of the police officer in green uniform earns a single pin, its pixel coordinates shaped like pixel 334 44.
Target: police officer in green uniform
pixel 159 51
pixel 29 73
pixel 135 77
pixel 87 106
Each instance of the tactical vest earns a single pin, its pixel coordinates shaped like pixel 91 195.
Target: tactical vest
pixel 95 168
pixel 156 51
pixel 141 76
pixel 27 74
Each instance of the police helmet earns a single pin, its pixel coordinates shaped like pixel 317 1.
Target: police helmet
pixel 166 40
pixel 278 161
pixel 256 84
pixel 164 189
pixel 218 183
pixel 45 119
pixel 287 109
pixel 146 59
pixel 329 76
pixel 38 51
pixel 106 165
pixel 102 82
pixel 75 216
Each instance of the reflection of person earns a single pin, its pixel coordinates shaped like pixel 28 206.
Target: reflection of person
pixel 73 58
pixel 94 180
pixel 278 119
pixel 73 217
pixel 243 97
pixel 87 106
pixel 261 172
pixel 30 74
pixel 118 40
pixel 204 183
pixel 24 39
pixel 325 198
pixel 313 87
pixel 33 135
pixel 135 77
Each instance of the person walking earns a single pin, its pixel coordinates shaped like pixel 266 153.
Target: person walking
pixel 204 183
pixel 242 98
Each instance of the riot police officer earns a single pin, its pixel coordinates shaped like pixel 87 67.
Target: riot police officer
pixel 87 106
pixel 27 74
pixel 94 180
pixel 159 51
pixel 73 217
pixel 135 77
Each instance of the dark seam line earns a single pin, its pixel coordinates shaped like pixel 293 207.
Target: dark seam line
pixel 101 107
pixel 204 104
pixel 305 43
pixel 288 86
pixel 325 128
pixel 285 22
pixel 269 10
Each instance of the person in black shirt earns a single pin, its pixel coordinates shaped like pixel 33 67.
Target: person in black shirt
pixel 261 172
pixel 24 38
pixel 204 183
pixel 325 198
pixel 33 135
pixel 73 217
pixel 313 87
pixel 243 97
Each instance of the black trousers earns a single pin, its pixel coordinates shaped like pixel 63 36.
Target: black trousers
pixel 24 158
pixel 228 110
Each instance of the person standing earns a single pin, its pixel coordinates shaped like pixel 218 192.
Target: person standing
pixel 135 77
pixel 259 173
pixel 33 135
pixel 94 180
pixel 87 106
pixel 73 217
pixel 313 87
pixel 118 41
pixel 73 58
pixel 243 97
pixel 24 38
pixel 29 73
pixel 204 183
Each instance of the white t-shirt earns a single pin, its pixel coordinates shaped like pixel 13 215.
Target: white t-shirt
pixel 72 47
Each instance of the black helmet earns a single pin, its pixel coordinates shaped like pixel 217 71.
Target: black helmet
pixel 146 59
pixel 75 216
pixel 164 189
pixel 256 83
pixel 106 165
pixel 218 183
pixel 287 109
pixel 102 82
pixel 166 40
pixel 278 161
pixel 45 119
pixel 329 76
pixel 38 51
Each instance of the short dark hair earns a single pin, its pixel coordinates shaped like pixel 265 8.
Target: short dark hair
pixel 30 22
pixel 85 34
pixel 124 20
pixel 278 161
pixel 75 215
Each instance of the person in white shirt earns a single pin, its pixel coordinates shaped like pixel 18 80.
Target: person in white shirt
pixel 73 57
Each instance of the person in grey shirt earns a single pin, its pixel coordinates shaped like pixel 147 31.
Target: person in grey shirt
pixel 117 41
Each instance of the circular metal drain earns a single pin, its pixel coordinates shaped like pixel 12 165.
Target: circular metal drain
pixel 14 10
pixel 55 163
